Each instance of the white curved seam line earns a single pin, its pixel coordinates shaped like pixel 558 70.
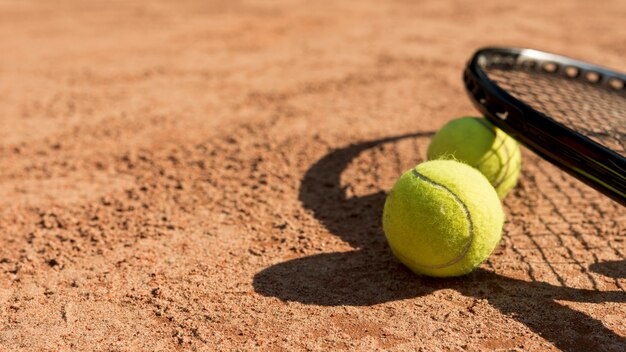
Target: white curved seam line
pixel 507 153
pixel 467 216
pixel 506 165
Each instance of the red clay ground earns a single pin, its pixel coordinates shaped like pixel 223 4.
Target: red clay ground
pixel 210 175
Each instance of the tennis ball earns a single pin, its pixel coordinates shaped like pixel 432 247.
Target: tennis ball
pixel 442 218
pixel 478 143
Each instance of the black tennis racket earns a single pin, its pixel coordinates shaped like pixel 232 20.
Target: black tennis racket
pixel 571 113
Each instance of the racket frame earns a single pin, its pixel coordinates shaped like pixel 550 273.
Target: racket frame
pixel 594 164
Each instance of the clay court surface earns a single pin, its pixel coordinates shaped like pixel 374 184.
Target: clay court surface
pixel 210 175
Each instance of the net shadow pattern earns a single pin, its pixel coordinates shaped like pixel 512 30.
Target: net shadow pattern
pixel 593 110
pixel 557 228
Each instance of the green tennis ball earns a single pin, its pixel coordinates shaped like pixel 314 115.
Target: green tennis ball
pixel 442 218
pixel 478 143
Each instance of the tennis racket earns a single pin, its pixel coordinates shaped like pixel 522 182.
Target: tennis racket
pixel 569 112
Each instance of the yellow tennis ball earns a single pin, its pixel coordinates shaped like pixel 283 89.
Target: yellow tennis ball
pixel 442 218
pixel 478 143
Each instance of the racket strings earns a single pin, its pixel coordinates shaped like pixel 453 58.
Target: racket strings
pixel 587 108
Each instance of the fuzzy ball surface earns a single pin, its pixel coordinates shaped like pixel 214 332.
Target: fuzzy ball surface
pixel 478 143
pixel 442 218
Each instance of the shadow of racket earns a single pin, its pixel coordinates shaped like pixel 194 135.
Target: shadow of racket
pixel 370 274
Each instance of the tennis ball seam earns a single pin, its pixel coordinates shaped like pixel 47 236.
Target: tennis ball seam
pixel 468 217
pixel 507 153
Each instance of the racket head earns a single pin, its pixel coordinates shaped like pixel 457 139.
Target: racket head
pixel 570 112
